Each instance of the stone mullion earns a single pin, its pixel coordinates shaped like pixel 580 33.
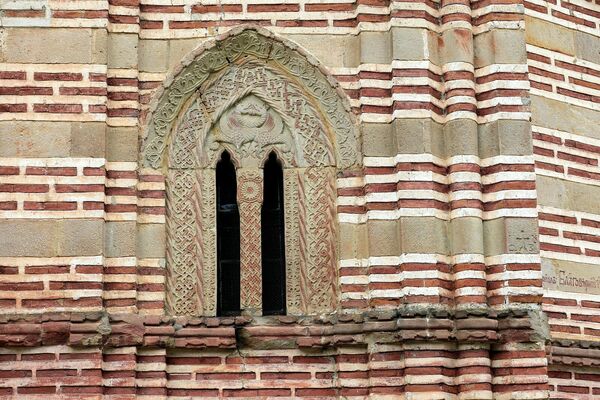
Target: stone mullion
pixel 295 290
pixel 250 196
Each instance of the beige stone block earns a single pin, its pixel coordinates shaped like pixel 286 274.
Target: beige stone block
pixel 409 43
pixel 494 234
pixel 122 144
pixel 353 241
pixel 522 235
pixel 179 48
pixel 565 117
pixel 500 46
pixel 418 136
pixel 383 238
pixel 35 139
pixel 378 140
pixel 568 276
pixel 466 235
pixel 332 50
pixel 153 55
pixel 424 235
pixel 119 239
pixel 375 47
pixel 100 46
pixel 507 137
pixel 587 47
pixel 151 240
pixel 87 139
pixel 80 237
pixel 48 45
pixel 50 238
pixel 122 50
pixel 456 46
pixel 559 193
pixel 549 36
pixel 460 137
pixel 433 40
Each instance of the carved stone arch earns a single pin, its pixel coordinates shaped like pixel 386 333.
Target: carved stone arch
pixel 234 48
pixel 250 93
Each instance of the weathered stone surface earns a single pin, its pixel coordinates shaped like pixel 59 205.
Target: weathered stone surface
pixel 378 140
pixel 505 137
pixel 549 36
pixel 122 144
pixel 122 50
pixel 463 235
pixel 153 55
pixel 566 117
pixel 47 238
pixel 120 239
pixel 559 193
pixel 410 44
pixel 375 47
pixel 587 47
pixel 151 241
pixel 384 238
pixel 51 45
pixel 418 136
pixel 460 137
pixel 88 139
pixel 35 139
pixel 332 50
pixel 500 46
pixel 424 235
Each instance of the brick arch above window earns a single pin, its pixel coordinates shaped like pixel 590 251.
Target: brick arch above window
pixel 250 94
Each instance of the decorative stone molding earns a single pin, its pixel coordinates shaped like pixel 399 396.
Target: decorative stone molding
pixel 251 94
pixel 283 64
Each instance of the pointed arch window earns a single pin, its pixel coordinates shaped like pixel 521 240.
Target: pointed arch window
pixel 273 239
pixel 228 239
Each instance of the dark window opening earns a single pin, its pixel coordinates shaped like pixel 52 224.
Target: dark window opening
pixel 273 239
pixel 228 239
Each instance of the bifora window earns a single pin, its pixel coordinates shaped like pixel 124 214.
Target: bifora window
pixel 228 239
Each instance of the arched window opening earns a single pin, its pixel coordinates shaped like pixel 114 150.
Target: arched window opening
pixel 228 239
pixel 273 239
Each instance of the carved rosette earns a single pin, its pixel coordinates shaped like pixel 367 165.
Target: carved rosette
pixel 250 196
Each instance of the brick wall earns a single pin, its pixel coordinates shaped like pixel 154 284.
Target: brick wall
pixel 479 124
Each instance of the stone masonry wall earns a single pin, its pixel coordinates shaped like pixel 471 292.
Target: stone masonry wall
pixel 464 107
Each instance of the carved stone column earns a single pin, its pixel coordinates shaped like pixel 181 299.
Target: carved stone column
pixel 250 196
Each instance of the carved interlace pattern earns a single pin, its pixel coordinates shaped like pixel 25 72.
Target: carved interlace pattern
pixel 253 95
pixel 181 246
pixel 249 43
pixel 250 193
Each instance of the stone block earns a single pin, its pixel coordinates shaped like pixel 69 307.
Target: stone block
pixel 87 139
pixel 549 36
pixel 456 46
pixel 507 137
pixel 179 48
pixel 460 137
pixel 151 240
pixel 50 238
pixel 375 48
pixel 122 144
pixel 120 239
pixel 587 47
pixel 424 235
pixel 332 50
pixel 418 136
pixel 99 46
pixel 565 117
pixel 35 139
pixel 522 235
pixel 80 237
pixel 353 241
pixel 559 193
pixel 494 233
pixel 466 235
pixel 500 46
pixel 383 238
pixel 378 140
pixel 409 43
pixel 122 50
pixel 48 45
pixel 153 55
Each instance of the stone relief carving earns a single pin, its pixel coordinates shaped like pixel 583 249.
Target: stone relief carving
pixel 251 95
pixel 250 193
pixel 241 44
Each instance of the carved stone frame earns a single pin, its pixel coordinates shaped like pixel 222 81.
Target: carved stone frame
pixel 186 135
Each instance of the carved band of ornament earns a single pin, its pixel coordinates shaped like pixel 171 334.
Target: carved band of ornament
pixel 250 195
pixel 260 44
